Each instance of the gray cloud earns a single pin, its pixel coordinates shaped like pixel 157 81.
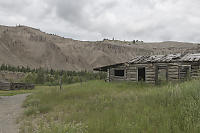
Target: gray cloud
pixel 148 20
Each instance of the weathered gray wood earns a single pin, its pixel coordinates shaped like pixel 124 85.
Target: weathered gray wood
pixel 133 79
pixel 174 70
pixel 15 86
pixel 153 77
pixel 132 73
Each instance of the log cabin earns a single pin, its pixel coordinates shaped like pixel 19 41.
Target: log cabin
pixel 155 69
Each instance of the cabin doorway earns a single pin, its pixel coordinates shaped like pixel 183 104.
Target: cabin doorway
pixel 161 74
pixel 141 74
pixel 184 72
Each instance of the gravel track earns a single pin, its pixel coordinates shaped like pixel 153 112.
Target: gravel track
pixel 10 110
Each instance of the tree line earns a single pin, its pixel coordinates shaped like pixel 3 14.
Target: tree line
pixel 51 76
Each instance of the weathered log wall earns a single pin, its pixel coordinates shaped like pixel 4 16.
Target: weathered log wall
pixel 174 71
pixel 4 86
pixel 189 70
pixel 195 70
pixel 132 72
pixel 112 76
pixel 15 86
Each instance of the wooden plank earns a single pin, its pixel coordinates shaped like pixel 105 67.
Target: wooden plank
pixel 117 80
pixel 131 70
pixel 149 81
pixel 173 70
pixel 173 67
pixel 134 68
pixel 150 73
pixel 132 79
pixel 173 78
pixel 132 73
pixel 150 78
pixel 173 75
pixel 195 77
pixel 117 77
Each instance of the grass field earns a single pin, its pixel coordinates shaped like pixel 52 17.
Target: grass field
pixel 123 107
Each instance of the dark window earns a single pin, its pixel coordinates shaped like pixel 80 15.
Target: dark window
pixel 119 73
pixel 141 74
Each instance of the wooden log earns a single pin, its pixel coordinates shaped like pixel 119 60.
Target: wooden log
pixel 132 67
pixel 171 76
pixel 130 71
pixel 150 72
pixel 150 80
pixel 173 67
pixel 132 79
pixel 150 75
pixel 173 71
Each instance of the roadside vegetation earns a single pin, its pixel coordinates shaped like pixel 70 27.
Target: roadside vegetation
pixel 118 107
pixel 51 77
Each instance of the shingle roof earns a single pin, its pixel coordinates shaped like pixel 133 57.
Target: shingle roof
pixel 166 58
pixel 157 59
pixel 191 57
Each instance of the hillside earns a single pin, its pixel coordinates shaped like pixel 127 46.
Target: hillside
pixel 27 46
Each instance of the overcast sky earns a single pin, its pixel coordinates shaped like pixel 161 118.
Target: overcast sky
pixel 148 20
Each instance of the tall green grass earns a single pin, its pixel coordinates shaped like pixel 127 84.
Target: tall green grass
pixel 121 107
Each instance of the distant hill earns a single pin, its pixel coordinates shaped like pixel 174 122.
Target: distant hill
pixel 27 46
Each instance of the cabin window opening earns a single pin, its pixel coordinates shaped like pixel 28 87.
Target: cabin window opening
pixel 141 74
pixel 119 73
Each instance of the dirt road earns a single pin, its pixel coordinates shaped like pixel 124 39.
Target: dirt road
pixel 10 109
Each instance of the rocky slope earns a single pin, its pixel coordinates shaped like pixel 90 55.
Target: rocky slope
pixel 27 46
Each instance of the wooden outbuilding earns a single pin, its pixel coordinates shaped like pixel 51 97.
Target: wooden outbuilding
pixel 4 85
pixel 155 69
